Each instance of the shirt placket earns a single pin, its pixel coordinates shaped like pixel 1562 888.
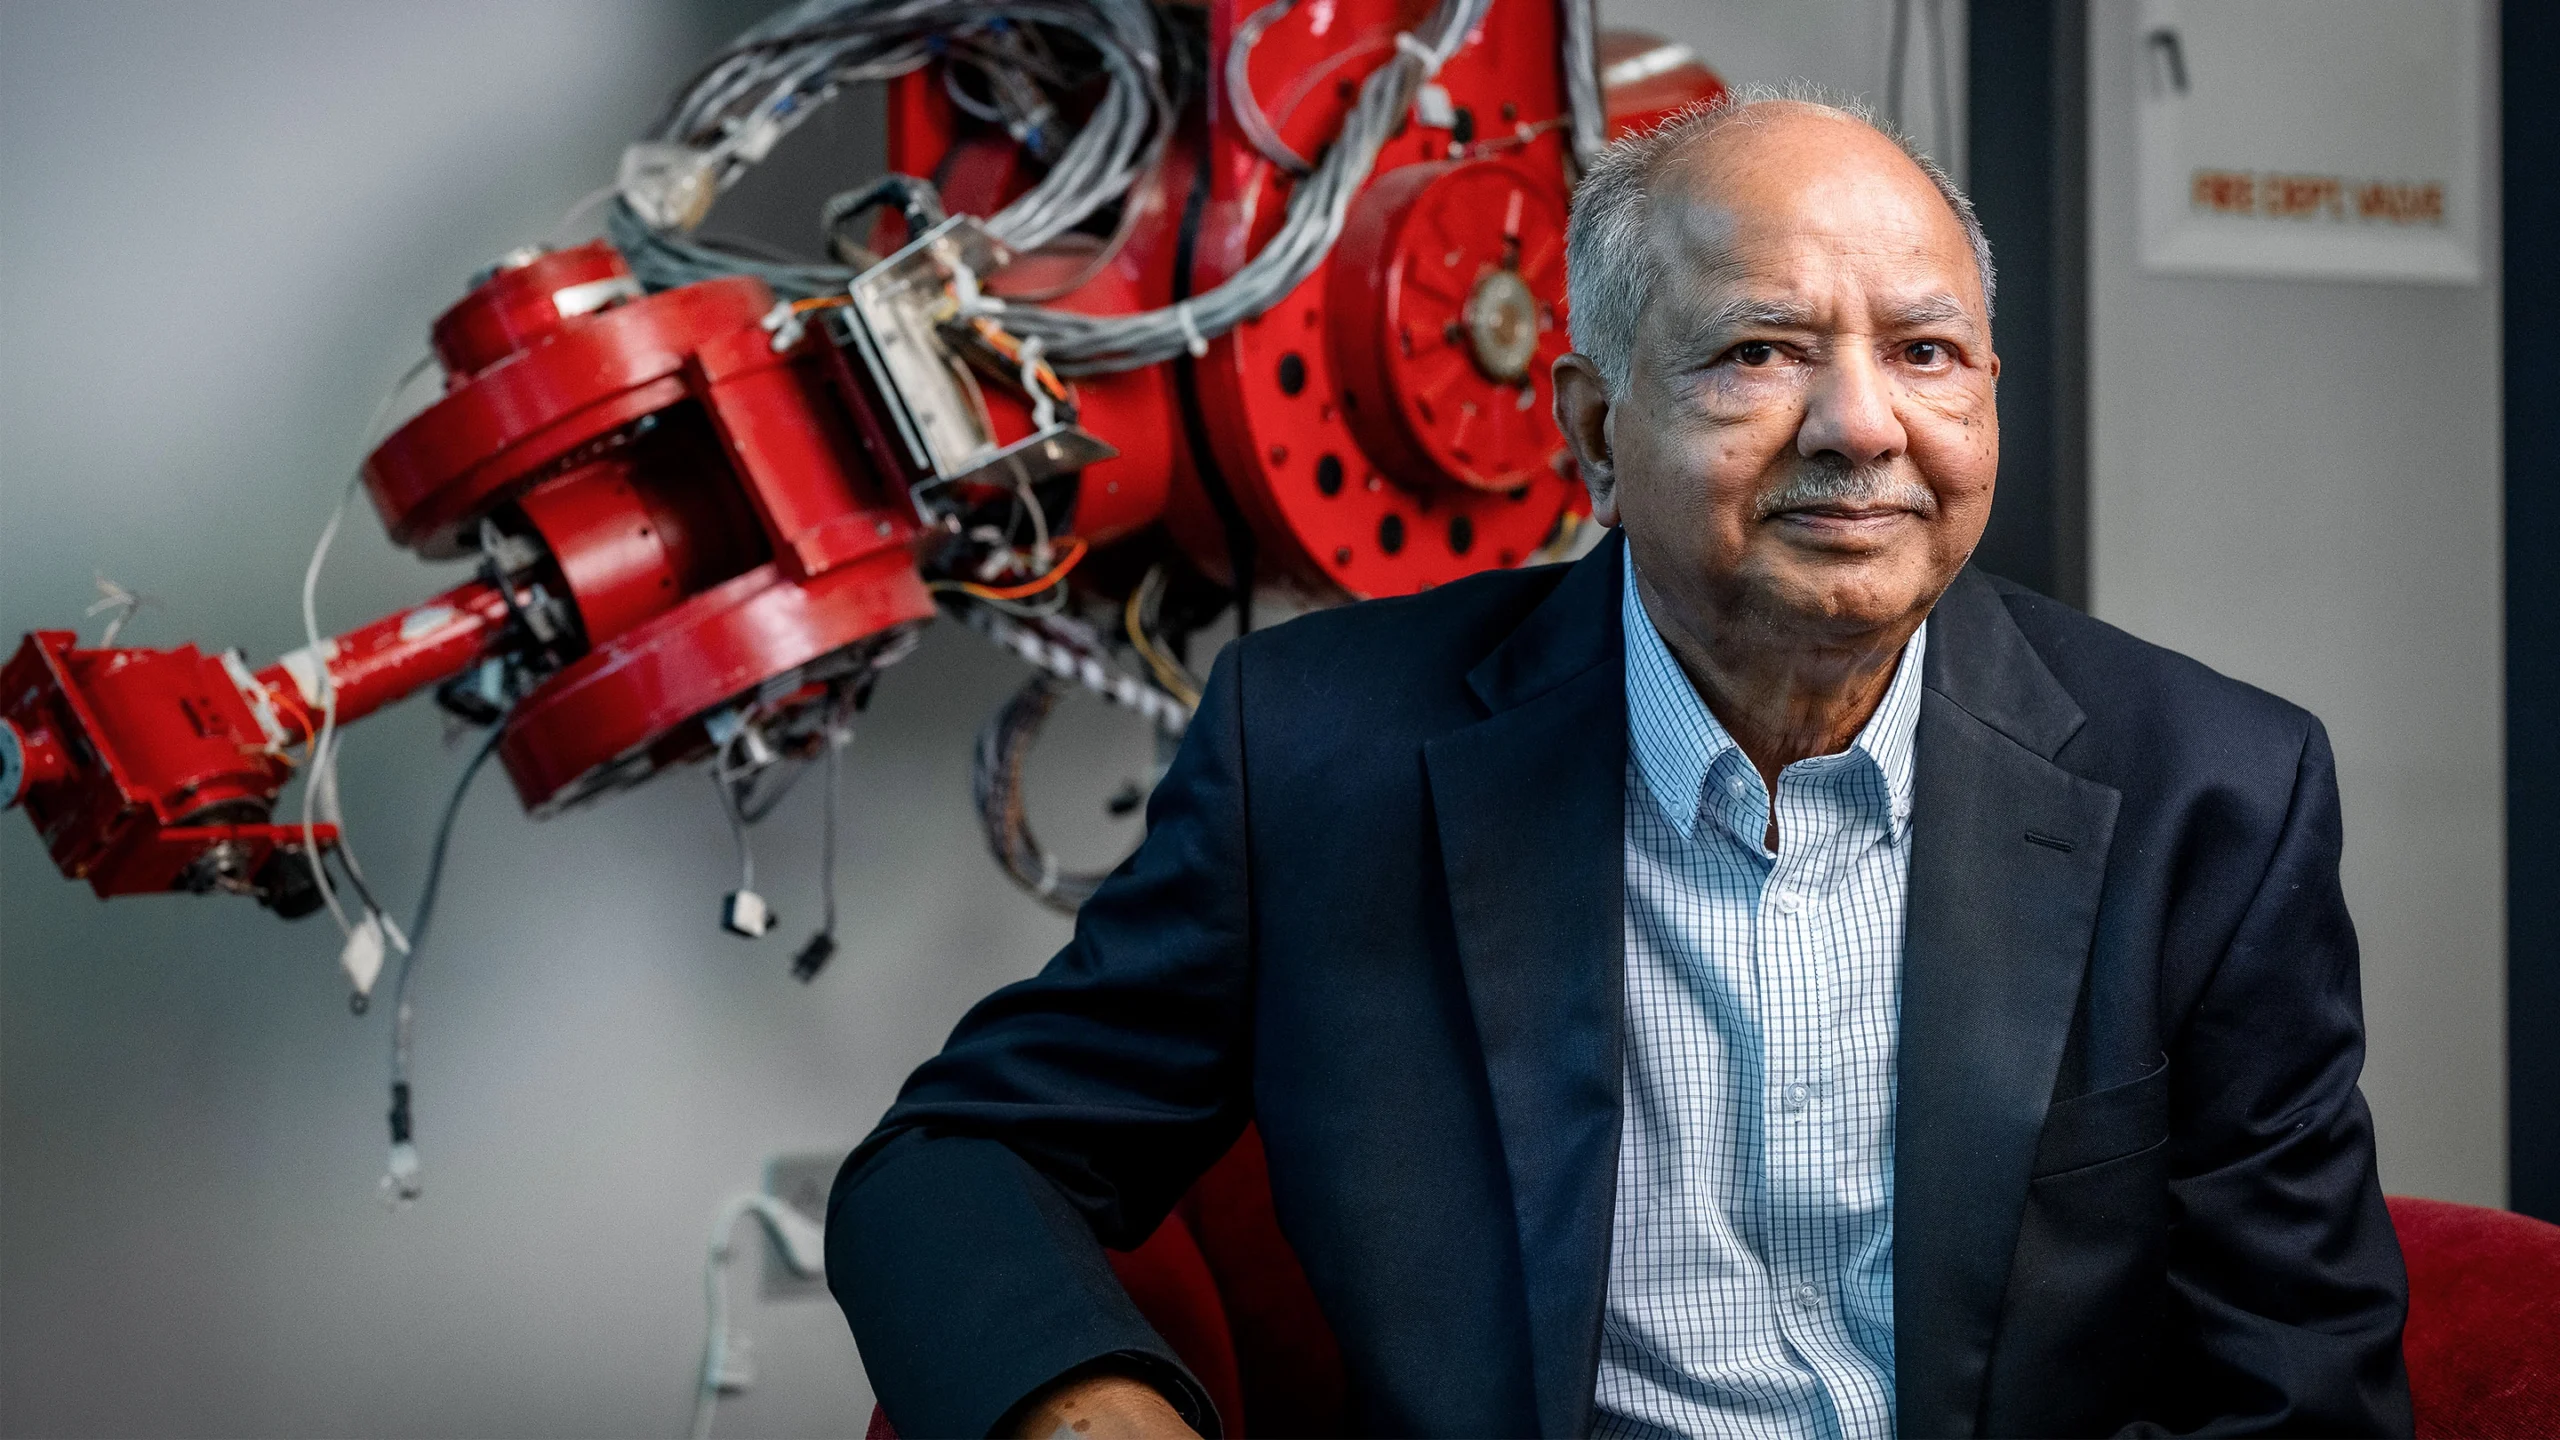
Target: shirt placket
pixel 1798 983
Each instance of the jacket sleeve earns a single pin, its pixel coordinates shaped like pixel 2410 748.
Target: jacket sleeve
pixel 2286 1291
pixel 1066 1113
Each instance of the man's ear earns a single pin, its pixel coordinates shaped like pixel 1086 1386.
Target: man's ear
pixel 1585 416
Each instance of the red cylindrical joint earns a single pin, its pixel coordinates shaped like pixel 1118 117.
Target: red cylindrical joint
pixel 633 536
pixel 28 758
pixel 525 297
pixel 395 656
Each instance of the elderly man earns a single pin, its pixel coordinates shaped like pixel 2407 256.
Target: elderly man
pixel 1764 979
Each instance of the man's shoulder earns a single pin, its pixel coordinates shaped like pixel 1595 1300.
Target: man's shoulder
pixel 2147 706
pixel 1405 655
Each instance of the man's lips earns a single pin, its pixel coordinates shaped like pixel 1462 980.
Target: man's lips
pixel 1838 514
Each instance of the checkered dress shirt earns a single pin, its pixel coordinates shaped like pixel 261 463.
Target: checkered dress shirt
pixel 1751 1264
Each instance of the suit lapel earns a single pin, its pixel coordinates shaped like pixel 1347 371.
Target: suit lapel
pixel 1529 803
pixel 2008 858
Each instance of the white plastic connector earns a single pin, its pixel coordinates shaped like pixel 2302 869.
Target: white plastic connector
pixel 1433 107
pixel 362 957
pixel 404 1178
pixel 669 186
pixel 737 1365
pixel 745 913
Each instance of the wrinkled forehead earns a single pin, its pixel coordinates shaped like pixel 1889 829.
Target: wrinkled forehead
pixel 1813 206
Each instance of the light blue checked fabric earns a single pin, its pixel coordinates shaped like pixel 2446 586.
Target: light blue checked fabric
pixel 1751 1264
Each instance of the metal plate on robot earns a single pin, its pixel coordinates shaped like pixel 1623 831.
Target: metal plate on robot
pixel 899 306
pixel 1054 451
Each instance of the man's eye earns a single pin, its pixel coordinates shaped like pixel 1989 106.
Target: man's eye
pixel 1924 352
pixel 1755 353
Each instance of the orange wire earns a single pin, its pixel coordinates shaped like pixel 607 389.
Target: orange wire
pixel 292 708
pixel 819 302
pixel 1075 552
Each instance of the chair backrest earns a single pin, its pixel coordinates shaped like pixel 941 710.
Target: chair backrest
pixel 1219 1282
pixel 1287 1365
pixel 2483 1342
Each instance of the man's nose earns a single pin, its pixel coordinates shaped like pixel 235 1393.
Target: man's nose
pixel 1849 412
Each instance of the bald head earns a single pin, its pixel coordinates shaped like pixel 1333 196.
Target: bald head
pixel 1752 162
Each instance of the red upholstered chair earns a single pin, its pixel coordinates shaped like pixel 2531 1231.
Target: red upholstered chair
pixel 2483 1342
pixel 1225 1291
pixel 1223 1288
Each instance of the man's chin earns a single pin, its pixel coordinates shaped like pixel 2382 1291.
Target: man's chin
pixel 1828 590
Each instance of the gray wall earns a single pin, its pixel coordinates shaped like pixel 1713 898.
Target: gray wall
pixel 2297 482
pixel 1842 47
pixel 226 232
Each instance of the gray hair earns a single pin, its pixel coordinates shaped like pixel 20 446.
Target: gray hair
pixel 1611 264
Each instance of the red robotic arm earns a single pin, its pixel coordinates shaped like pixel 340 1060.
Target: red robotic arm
pixel 704 518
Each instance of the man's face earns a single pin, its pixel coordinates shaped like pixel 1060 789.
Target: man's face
pixel 1808 438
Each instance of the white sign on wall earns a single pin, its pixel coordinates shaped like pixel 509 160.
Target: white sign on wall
pixel 2338 139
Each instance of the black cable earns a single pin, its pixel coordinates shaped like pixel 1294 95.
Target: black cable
pixel 426 911
pixel 418 922
pixel 1232 524
pixel 813 956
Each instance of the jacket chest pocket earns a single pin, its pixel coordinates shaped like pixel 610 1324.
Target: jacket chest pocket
pixel 2104 1125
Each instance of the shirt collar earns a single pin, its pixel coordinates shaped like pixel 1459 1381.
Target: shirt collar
pixel 1676 739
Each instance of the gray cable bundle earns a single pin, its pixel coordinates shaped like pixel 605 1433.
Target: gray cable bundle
pixel 779 72
pixel 1583 99
pixel 1092 344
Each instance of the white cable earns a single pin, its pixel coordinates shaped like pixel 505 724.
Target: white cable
pixel 328 733
pixel 803 1245
pixel 321 771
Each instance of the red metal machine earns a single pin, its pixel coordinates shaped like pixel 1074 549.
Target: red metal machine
pixel 703 519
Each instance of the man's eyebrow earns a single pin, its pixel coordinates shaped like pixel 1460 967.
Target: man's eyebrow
pixel 1748 312
pixel 1938 309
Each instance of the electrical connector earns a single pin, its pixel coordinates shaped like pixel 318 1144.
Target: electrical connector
pixel 813 957
pixel 745 913
pixel 802 1243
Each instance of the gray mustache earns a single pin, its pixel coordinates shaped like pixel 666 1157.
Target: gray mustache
pixel 1821 484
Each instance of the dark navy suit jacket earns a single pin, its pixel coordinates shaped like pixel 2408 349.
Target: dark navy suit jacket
pixel 1378 912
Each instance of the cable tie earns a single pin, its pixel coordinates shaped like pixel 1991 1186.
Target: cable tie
pixel 1413 45
pixel 1044 411
pixel 1192 339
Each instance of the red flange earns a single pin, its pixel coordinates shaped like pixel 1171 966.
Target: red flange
pixel 1647 80
pixel 1338 506
pixel 630 706
pixel 1447 300
pixel 525 297
pixel 516 422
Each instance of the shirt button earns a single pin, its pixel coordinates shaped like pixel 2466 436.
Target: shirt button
pixel 1791 902
pixel 1796 1096
pixel 1808 1296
